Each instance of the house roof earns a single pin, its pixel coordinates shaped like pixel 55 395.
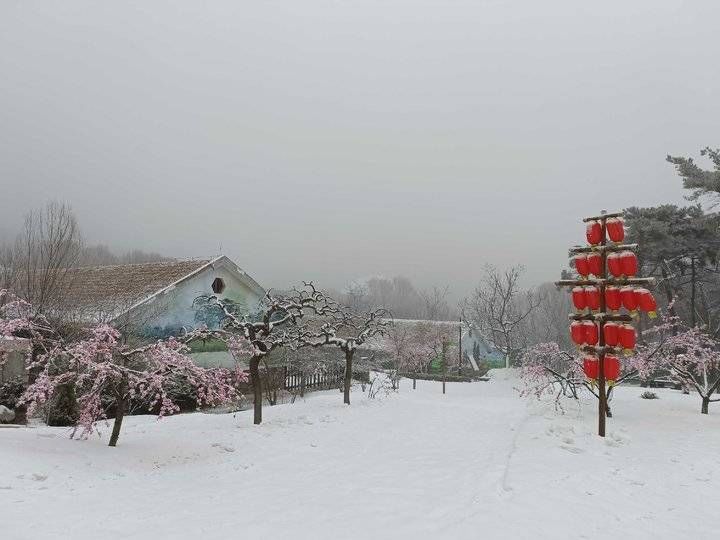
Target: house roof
pixel 116 288
pixel 110 291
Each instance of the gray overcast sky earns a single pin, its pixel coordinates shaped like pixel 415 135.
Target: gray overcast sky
pixel 341 139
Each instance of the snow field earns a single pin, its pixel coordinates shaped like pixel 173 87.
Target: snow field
pixel 478 462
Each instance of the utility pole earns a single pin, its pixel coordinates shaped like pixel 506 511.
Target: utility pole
pixel 460 347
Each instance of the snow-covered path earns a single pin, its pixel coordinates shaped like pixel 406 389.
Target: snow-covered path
pixel 475 463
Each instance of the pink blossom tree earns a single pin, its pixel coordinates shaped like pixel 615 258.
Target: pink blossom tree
pixel 410 348
pixel 105 373
pixel 415 346
pixel 692 356
pixel 545 368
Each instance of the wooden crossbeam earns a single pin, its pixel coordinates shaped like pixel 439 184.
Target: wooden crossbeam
pixel 600 317
pixel 605 281
pixel 601 248
pixel 603 216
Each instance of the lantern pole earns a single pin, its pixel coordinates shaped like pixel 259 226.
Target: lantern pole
pixel 600 318
pixel 602 396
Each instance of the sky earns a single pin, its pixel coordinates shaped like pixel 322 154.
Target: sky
pixel 337 140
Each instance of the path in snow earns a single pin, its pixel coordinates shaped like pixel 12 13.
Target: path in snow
pixel 476 463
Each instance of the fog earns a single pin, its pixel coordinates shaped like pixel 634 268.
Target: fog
pixel 336 140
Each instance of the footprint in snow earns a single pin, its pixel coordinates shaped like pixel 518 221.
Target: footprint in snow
pixel 39 477
pixel 223 447
pixel 572 449
pixel 614 440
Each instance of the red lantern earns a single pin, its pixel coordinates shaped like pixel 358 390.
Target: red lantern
pixel 629 300
pixel 590 367
pixel 581 264
pixel 612 298
pixel 592 298
pixel 579 299
pixel 611 368
pixel 646 302
pixel 591 332
pixel 593 232
pixel 626 336
pixel 594 262
pixel 615 229
pixel 611 333
pixel 577 333
pixel 628 263
pixel 614 264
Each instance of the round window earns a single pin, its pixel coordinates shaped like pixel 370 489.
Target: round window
pixel 218 285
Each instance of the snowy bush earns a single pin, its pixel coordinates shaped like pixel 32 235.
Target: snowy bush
pixel 649 395
pixel 10 392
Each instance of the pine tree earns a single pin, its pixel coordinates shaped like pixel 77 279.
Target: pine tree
pixel 701 181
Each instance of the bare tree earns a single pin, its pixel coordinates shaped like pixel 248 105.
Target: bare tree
pixel 549 322
pixel 9 266
pixel 47 248
pixel 347 331
pixel 500 309
pixel 274 327
pixel 356 295
pixel 435 303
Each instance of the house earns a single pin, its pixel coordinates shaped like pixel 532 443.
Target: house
pixel 479 349
pixel 155 300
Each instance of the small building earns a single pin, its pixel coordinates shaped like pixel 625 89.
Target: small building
pixel 476 349
pixel 157 299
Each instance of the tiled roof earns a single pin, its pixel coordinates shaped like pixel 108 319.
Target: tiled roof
pixel 111 290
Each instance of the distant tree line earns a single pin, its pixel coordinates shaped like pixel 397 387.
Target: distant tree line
pixel 49 244
pixel 401 297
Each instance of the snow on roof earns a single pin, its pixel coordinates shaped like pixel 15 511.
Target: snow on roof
pixel 118 287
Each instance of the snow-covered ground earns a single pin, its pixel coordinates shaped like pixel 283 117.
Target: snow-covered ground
pixel 478 462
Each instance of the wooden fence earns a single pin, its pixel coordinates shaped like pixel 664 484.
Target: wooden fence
pixel 295 380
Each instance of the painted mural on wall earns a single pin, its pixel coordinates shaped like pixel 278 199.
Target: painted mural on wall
pixel 176 309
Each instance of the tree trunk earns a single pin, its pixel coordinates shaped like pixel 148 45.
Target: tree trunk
pixel 257 390
pixel 414 383
pixel 705 405
pixel 693 320
pixel 669 294
pixel 348 375
pixel 120 408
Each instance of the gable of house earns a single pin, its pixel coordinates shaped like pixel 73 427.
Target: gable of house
pixel 174 308
pixel 156 299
